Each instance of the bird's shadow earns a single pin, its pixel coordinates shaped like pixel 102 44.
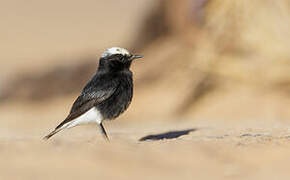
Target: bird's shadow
pixel 167 135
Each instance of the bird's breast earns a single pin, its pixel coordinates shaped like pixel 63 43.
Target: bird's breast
pixel 120 99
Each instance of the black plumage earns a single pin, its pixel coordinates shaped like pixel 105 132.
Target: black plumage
pixel 110 90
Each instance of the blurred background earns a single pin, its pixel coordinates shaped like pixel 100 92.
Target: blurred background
pixel 204 60
pixel 206 63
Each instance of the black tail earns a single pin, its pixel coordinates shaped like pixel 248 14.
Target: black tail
pixel 51 134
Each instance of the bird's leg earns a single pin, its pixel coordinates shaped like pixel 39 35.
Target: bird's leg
pixel 103 131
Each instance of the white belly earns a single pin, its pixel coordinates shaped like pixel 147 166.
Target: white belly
pixel 92 116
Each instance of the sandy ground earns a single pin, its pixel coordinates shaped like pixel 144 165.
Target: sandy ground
pixel 205 153
pixel 138 149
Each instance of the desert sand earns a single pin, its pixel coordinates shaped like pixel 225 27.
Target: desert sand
pixel 152 149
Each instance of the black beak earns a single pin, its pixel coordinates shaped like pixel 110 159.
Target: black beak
pixel 135 57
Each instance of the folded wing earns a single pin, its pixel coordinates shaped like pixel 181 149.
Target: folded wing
pixel 92 95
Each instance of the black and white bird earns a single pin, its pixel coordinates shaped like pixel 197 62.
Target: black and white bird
pixel 106 95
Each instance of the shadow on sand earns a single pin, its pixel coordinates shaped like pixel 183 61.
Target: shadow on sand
pixel 167 135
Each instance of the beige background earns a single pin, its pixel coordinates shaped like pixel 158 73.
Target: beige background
pixel 211 94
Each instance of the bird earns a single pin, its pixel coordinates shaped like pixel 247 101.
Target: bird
pixel 106 95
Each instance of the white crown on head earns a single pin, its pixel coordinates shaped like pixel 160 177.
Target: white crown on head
pixel 115 50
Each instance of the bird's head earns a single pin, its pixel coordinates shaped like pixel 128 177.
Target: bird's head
pixel 117 59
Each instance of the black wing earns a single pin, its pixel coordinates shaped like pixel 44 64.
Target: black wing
pixel 97 90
